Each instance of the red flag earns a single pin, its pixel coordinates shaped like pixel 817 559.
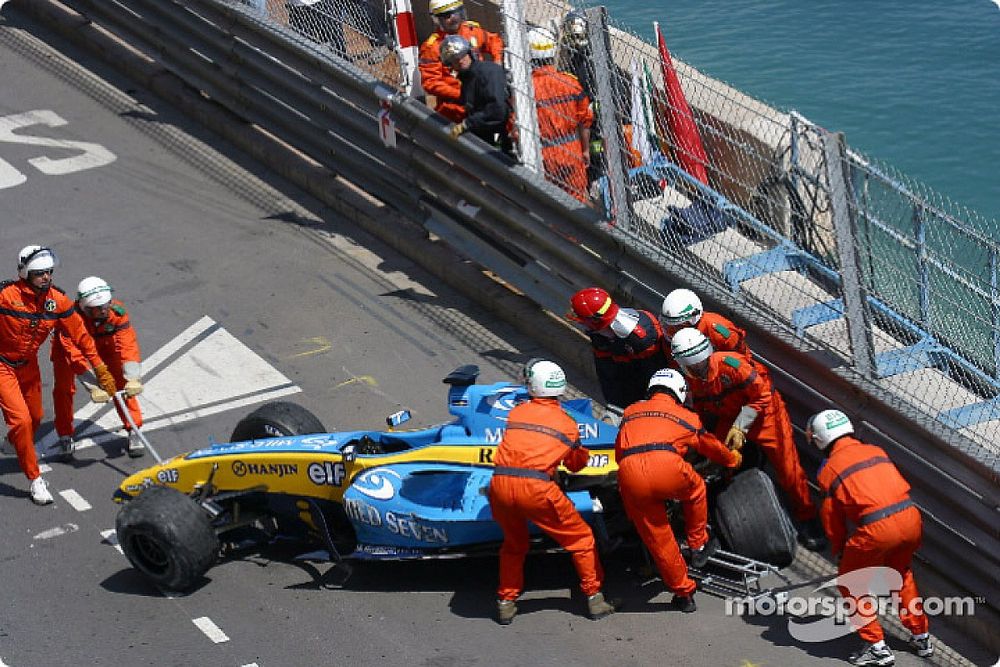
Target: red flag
pixel 690 152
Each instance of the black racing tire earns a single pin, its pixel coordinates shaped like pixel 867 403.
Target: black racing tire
pixel 751 521
pixel 168 537
pixel 275 420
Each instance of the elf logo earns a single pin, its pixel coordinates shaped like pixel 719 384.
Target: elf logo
pixel 326 473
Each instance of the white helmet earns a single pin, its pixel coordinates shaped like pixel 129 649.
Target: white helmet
pixel 670 379
pixel 438 7
pixel 544 378
pixel 826 426
pixel 542 44
pixel 690 347
pixel 35 258
pixel 93 292
pixel 682 306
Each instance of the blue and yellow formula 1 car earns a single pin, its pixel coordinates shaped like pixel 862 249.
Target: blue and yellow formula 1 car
pixel 359 494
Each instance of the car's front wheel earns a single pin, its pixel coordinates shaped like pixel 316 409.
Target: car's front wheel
pixel 752 522
pixel 168 537
pixel 277 419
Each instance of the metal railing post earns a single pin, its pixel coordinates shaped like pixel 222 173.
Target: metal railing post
pixel 519 66
pixel 844 223
pixel 607 111
pixel 923 270
pixel 995 310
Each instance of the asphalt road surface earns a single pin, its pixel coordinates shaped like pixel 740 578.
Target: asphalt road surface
pixel 243 289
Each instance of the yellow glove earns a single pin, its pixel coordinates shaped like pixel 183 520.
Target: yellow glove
pixel 736 461
pixel 98 395
pixel 105 379
pixel 736 438
pixel 133 387
pixel 457 129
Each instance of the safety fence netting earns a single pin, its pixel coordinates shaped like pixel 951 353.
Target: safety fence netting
pixel 777 209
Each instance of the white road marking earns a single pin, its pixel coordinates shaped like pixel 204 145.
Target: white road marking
pixel 111 537
pixel 211 630
pixel 44 467
pixel 211 371
pixel 75 500
pixel 57 531
pixel 2 663
pixel 249 664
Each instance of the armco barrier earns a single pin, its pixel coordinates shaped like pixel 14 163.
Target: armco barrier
pixel 530 233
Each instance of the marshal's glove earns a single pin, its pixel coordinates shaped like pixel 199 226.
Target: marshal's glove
pixel 736 461
pixel 132 371
pixel 457 129
pixel 105 380
pixel 98 395
pixel 736 438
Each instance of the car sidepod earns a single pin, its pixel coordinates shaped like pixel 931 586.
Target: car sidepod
pixel 428 510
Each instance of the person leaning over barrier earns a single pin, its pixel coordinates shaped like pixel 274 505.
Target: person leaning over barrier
pixel 539 436
pixel 627 344
pixel 30 308
pixel 871 521
pixel 435 75
pixel 484 94
pixel 653 439
pixel 683 309
pixel 108 323
pixel 738 404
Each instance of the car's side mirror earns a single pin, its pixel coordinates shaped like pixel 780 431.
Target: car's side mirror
pixel 397 418
pixel 349 453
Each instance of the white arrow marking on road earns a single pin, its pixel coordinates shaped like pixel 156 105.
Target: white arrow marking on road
pixel 111 537
pixel 75 499
pixel 211 630
pixel 214 372
pixel 57 531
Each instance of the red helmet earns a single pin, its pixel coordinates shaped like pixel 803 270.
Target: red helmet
pixel 593 308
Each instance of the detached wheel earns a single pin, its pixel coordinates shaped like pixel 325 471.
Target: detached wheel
pixel 168 537
pixel 277 419
pixel 752 522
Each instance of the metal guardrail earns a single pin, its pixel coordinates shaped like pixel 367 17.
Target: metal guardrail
pixel 534 236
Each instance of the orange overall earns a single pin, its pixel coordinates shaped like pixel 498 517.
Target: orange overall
pixel 732 382
pixel 438 80
pixel 26 319
pixel 116 344
pixel 540 436
pixel 863 488
pixel 652 441
pixel 562 110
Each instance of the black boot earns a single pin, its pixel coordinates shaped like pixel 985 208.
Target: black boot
pixel 699 557
pixel 811 535
pixel 684 603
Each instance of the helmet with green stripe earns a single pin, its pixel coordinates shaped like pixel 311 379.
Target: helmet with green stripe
pixel 691 349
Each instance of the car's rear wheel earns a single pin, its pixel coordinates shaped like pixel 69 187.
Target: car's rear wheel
pixel 168 537
pixel 752 522
pixel 277 419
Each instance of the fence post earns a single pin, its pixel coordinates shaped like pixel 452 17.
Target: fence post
pixel 923 271
pixel 407 46
pixel 607 110
pixel 995 308
pixel 519 66
pixel 844 215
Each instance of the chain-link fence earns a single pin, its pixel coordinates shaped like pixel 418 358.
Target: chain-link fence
pixel 360 31
pixel 899 282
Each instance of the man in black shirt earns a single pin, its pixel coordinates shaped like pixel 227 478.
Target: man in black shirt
pixel 484 93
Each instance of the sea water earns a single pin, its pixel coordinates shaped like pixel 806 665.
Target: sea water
pixel 913 83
